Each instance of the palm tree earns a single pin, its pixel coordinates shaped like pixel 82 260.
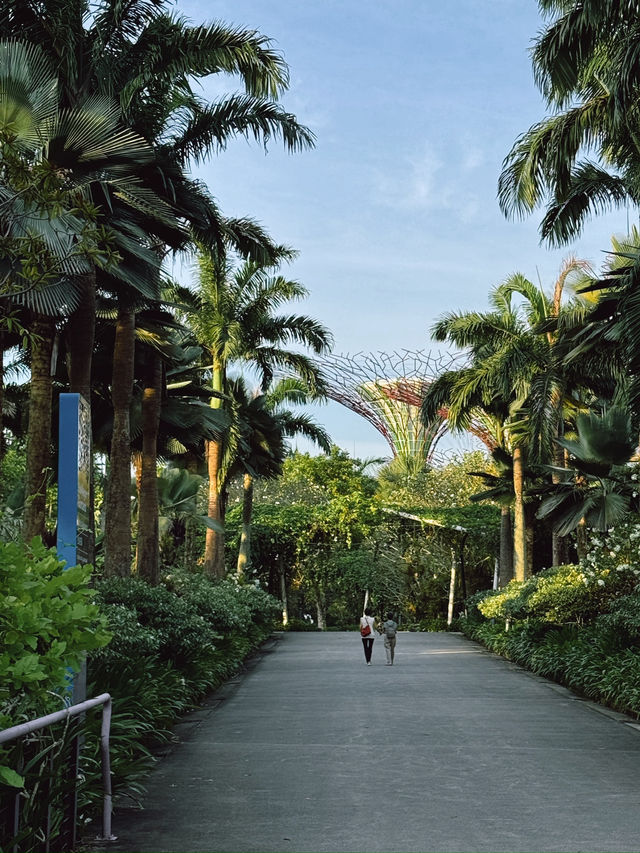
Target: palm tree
pixel 585 64
pixel 608 337
pixel 514 376
pixel 595 490
pixel 81 146
pixel 178 501
pixel 263 425
pixel 234 320
pixel 148 58
pixel 499 488
pixel 161 346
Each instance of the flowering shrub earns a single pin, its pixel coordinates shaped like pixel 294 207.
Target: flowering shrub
pixel 616 552
pixel 579 625
pixel 574 593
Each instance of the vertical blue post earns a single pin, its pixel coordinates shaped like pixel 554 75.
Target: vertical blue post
pixel 74 541
pixel 69 423
pixel 74 545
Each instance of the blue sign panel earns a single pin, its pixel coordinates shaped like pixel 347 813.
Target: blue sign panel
pixel 75 541
pixel 74 481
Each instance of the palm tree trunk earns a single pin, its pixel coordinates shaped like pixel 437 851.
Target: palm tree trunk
pixel 582 540
pixel 519 522
pixel 506 546
pixel 214 543
pixel 452 588
pixel 559 545
pixel 80 341
pixel 147 551
pixel 245 535
pixel 530 529
pixel 117 534
pixel 39 430
pixel 212 565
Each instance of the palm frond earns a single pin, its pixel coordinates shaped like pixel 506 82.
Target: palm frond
pixel 211 128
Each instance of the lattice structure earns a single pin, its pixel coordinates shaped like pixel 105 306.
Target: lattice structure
pixel 387 389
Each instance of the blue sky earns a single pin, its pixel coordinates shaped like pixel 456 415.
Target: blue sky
pixel 414 103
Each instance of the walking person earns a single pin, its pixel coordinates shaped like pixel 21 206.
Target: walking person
pixel 367 627
pixel 389 629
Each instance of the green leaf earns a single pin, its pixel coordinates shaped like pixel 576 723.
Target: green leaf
pixel 10 777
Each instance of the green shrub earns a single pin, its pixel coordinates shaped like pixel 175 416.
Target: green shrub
pixel 557 595
pixel 435 623
pixel 180 632
pixel 594 660
pixel 506 603
pixel 172 644
pixel 297 624
pixel 623 618
pixel 47 622
pixel 563 594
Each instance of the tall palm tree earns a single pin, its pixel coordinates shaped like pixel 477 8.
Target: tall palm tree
pixel 263 425
pixel 233 316
pixel 81 147
pixel 499 488
pixel 513 375
pixel 585 62
pixel 608 337
pixel 148 59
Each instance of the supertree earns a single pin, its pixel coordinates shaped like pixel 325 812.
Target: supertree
pixel 387 389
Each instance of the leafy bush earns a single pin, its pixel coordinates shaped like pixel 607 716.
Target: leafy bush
pixel 557 595
pixel 171 645
pixel 297 624
pixel 562 594
pixel 436 623
pixel 47 621
pixel 591 660
pixel 579 626
pixel 623 618
pixel 179 631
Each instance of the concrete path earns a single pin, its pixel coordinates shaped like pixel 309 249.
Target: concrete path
pixel 451 749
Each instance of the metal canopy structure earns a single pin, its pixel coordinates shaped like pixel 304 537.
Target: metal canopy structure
pixel 387 389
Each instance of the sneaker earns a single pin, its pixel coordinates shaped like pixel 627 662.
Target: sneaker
pixel 368 663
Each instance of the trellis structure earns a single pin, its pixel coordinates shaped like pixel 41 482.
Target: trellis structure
pixel 387 389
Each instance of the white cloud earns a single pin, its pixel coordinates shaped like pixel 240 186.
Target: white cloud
pixel 433 181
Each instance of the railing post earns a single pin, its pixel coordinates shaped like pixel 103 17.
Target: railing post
pixel 23 729
pixel 106 771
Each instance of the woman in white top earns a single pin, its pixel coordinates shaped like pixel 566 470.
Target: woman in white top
pixel 367 621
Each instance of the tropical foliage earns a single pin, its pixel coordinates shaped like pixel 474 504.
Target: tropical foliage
pixel 223 531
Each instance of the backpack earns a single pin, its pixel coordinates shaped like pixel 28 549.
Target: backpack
pixel 390 628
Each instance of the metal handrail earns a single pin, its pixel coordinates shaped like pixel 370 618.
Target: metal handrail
pixel 72 711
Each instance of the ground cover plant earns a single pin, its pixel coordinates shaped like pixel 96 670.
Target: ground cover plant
pixel 576 624
pixel 48 622
pixel 156 650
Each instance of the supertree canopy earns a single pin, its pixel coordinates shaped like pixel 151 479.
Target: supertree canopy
pixel 387 389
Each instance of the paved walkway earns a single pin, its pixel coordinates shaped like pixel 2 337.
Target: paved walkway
pixel 451 749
